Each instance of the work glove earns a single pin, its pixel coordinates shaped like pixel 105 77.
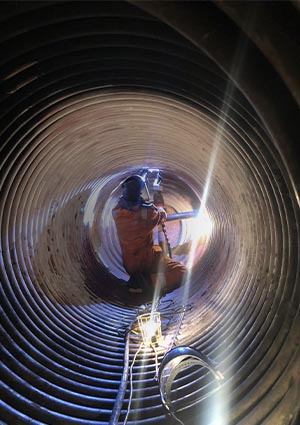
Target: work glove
pixel 162 215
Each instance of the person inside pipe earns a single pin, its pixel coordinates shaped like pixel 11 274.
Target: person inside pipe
pixel 146 263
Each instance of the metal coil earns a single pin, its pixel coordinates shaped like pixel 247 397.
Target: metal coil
pixel 91 91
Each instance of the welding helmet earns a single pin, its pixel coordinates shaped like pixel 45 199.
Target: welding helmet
pixel 132 188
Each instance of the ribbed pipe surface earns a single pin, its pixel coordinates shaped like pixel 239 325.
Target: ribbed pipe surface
pixel 91 91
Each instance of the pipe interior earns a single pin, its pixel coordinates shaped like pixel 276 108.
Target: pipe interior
pixel 89 95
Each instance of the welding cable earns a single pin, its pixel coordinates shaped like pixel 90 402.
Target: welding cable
pixel 175 417
pixel 131 383
pixel 114 419
pixel 175 336
pixel 156 361
pixel 173 363
pixel 179 323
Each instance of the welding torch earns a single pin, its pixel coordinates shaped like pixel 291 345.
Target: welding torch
pixel 182 215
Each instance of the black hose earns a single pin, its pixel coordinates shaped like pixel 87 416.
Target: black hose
pixel 114 419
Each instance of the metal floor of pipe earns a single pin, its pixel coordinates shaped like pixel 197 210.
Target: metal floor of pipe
pixel 208 92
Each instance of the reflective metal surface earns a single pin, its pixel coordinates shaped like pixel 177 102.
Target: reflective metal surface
pixel 207 93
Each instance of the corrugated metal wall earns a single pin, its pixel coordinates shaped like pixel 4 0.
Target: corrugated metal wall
pixel 209 93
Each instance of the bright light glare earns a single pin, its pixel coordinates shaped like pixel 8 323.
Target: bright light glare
pixel 219 376
pixel 201 227
pixel 150 327
pixel 201 230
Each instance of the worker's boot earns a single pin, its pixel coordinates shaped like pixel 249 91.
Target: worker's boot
pixel 138 283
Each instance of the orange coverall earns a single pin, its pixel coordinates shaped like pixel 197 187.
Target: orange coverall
pixel 135 231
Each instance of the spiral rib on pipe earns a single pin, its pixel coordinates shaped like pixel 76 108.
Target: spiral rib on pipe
pixel 92 91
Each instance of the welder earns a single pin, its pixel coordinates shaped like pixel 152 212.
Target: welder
pixel 146 263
